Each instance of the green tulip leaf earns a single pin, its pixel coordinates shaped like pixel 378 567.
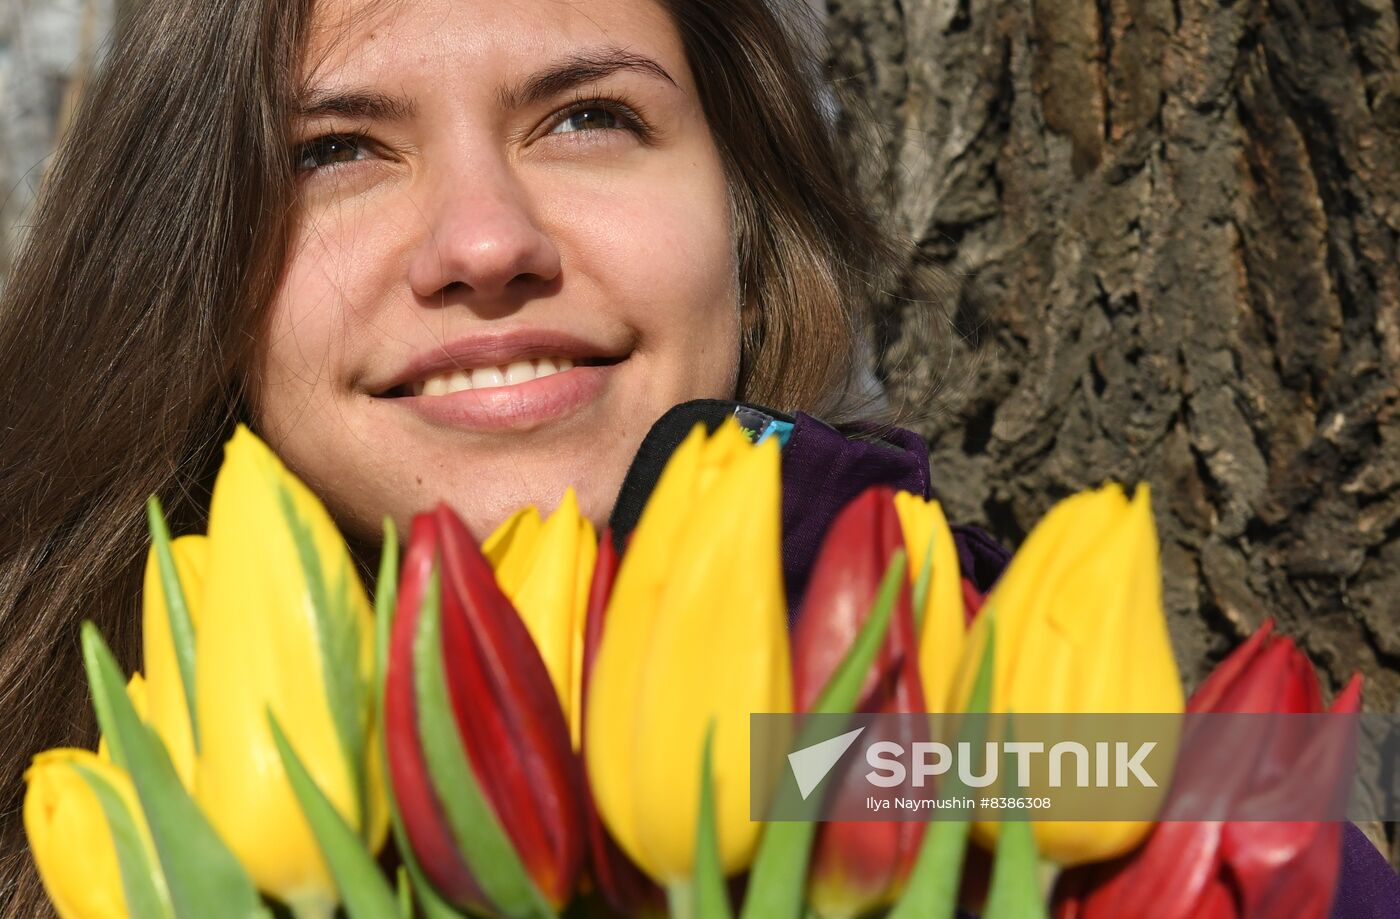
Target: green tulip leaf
pixel 363 890
pixel 932 889
pixel 143 886
pixel 204 879
pixel 177 610
pixel 711 894
pixel 405 894
pixel 431 902
pixel 386 597
pixel 338 637
pixel 1014 890
pixel 480 838
pixel 778 879
pixel 1015 886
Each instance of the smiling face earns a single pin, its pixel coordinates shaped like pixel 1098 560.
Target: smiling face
pixel 512 254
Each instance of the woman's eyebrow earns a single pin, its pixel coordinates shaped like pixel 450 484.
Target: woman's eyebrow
pixel 561 76
pixel 577 69
pixel 361 104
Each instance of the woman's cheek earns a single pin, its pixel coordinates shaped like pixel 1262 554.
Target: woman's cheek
pixel 663 252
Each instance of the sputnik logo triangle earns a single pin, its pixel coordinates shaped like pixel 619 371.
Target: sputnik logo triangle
pixel 811 764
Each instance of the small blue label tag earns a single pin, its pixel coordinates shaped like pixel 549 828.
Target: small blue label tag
pixel 759 426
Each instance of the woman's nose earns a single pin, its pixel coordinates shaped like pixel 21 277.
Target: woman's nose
pixel 481 234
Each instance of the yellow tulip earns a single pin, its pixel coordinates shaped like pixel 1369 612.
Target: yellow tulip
pixel 262 645
pixel 545 569
pixel 1080 628
pixel 69 835
pixel 943 629
pixel 695 633
pixel 166 708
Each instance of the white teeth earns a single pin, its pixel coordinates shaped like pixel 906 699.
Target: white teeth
pixel 520 372
pixel 485 377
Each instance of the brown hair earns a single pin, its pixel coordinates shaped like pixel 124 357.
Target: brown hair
pixel 128 311
pixel 810 253
pixel 162 229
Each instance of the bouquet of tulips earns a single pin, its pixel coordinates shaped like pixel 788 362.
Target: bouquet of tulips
pixel 544 724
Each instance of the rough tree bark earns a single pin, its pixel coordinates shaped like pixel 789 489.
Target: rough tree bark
pixel 1168 230
pixel 47 51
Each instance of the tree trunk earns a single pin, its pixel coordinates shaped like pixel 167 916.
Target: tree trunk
pixel 1167 231
pixel 47 51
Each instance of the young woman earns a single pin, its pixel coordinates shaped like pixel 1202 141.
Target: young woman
pixel 427 249
pixel 430 250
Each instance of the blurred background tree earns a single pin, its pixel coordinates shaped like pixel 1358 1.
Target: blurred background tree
pixel 47 51
pixel 1165 232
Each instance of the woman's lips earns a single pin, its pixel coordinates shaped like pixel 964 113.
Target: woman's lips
pixel 515 407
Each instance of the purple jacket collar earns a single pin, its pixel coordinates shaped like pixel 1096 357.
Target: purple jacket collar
pixel 823 469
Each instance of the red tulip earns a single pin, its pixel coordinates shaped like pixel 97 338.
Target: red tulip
pixel 1228 869
pixel 972 600
pixel 845 579
pixel 622 884
pixel 507 714
pixel 857 866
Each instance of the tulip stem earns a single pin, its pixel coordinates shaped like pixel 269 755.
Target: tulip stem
pixel 680 899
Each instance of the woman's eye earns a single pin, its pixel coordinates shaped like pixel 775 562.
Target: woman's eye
pixel 329 150
pixel 590 118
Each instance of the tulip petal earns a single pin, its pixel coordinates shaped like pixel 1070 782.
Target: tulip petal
pixel 338 629
pixel 417 810
pixel 544 568
pixel 494 862
pixel 839 694
pixel 203 876
pixel 630 621
pixel 723 601
pixel 431 902
pixel 508 715
pixel 777 880
pixel 845 578
pixel 386 602
pixel 278 567
pixel 88 839
pixel 939 611
pixel 142 883
pixel 510 547
pixel 363 890
pixel 623 885
pixel 701 582
pixel 1084 631
pixel 921 586
pixel 857 866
